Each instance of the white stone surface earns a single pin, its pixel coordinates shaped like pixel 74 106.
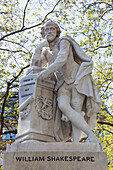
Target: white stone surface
pixel 27 88
pixel 76 89
pixel 49 156
pixel 72 97
pixel 32 146
pixel 36 121
pixel 55 160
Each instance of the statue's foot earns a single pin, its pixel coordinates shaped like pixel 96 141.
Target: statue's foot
pixel 92 139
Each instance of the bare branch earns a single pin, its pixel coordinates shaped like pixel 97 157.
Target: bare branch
pixel 15 43
pixel 13 79
pixel 50 11
pixel 3 12
pixel 100 72
pixel 105 123
pixel 87 6
pixel 15 85
pixel 10 131
pixel 24 29
pixel 107 130
pixel 3 106
pixel 6 125
pixel 17 51
pixel 106 46
pixel 106 89
pixel 16 61
pixel 108 79
pixel 101 129
pixel 105 12
pixel 25 13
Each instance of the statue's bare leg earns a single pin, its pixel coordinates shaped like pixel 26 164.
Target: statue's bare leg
pixel 75 117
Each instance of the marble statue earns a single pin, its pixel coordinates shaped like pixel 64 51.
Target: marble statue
pixel 77 96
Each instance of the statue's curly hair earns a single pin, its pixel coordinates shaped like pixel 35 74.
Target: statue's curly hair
pixel 56 26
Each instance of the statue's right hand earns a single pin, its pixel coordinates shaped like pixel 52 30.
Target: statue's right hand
pixel 44 44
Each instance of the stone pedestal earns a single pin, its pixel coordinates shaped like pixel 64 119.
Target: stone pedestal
pixel 35 146
pixel 57 156
pixel 37 110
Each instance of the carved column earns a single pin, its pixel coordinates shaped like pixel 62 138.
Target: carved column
pixel 37 110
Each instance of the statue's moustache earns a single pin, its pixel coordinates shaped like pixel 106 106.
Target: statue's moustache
pixel 47 36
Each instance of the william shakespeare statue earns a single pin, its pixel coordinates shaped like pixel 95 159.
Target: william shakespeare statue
pixel 78 100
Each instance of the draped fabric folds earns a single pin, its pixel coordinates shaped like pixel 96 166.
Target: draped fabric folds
pixel 84 85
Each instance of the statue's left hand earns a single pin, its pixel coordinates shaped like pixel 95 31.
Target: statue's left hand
pixel 42 75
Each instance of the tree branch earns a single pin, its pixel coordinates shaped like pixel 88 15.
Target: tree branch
pixel 6 125
pixel 3 106
pixel 108 79
pixel 16 43
pixel 24 29
pixel 87 6
pixel 25 13
pixel 106 12
pixel 10 131
pixel 16 61
pixel 3 12
pixel 6 95
pixel 106 89
pixel 13 79
pixel 105 123
pixel 101 129
pixel 107 130
pixel 18 51
pixel 106 46
pixel 13 86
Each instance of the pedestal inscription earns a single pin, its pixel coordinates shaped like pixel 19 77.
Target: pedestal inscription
pixel 55 157
pixel 27 91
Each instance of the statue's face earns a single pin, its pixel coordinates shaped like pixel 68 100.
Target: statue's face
pixel 50 32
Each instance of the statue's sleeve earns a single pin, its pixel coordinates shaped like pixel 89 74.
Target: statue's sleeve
pixel 39 58
pixel 60 60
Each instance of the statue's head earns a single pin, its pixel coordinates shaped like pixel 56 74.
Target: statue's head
pixel 50 31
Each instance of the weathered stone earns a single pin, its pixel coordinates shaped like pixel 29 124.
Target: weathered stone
pixel 77 95
pixel 49 156
pixel 42 113
pixel 36 121
pixel 53 146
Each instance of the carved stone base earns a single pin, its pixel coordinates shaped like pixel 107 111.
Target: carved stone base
pixel 36 120
pixel 57 156
pixel 34 135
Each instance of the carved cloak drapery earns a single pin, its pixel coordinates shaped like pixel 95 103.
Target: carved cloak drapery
pixel 84 85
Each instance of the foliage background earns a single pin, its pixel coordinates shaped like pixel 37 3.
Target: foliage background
pixel 89 22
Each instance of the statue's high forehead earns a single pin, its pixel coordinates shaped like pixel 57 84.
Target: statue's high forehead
pixel 50 24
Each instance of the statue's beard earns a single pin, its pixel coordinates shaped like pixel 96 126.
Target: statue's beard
pixel 50 38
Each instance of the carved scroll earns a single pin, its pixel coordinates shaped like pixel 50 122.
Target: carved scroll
pixel 43 106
